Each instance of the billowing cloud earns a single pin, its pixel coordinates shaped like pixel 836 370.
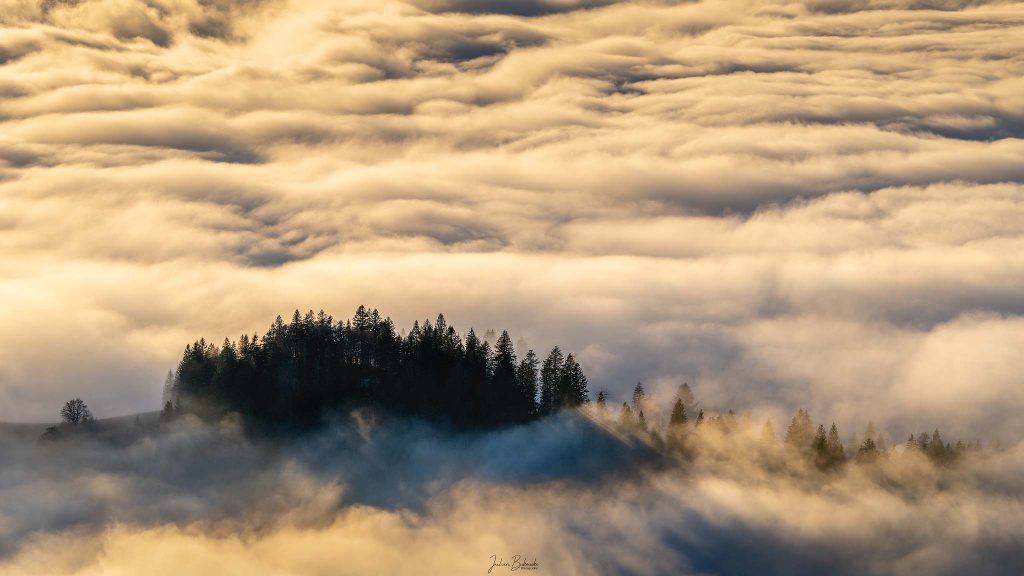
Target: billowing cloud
pixel 784 204
pixel 403 498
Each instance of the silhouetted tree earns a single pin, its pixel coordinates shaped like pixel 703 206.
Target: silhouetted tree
pixel 168 393
pixel 836 455
pixel 167 414
pixel 75 412
pixel 868 452
pixel 503 398
pixel 550 377
pixel 685 394
pixel 936 450
pixel 526 380
pixel 875 436
pixel 572 385
pixel 800 434
pixel 678 418
pixel 639 397
pixel 819 448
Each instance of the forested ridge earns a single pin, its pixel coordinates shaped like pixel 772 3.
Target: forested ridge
pixel 300 371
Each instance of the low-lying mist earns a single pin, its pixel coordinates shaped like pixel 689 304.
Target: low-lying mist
pixel 373 494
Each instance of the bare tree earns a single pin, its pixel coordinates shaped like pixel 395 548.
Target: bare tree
pixel 75 412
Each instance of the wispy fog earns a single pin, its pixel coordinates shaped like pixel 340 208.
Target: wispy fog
pixel 373 495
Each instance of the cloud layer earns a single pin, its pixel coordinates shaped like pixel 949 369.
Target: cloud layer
pixel 401 498
pixel 785 204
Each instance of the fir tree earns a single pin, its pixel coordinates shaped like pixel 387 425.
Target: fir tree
pixel 868 452
pixel 936 449
pixel 526 381
pixel 572 385
pixel 800 434
pixel 677 420
pixel 819 448
pixel 639 397
pixel 836 455
pixel 550 377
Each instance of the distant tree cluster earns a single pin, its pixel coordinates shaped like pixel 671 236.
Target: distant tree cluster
pixel 299 371
pixel 819 446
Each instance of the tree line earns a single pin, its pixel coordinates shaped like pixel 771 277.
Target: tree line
pixel 299 372
pixel 817 445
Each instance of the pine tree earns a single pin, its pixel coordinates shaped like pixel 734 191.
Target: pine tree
pixel 526 380
pixel 686 395
pixel 602 407
pixel 639 397
pixel 168 394
pixel 572 385
pixel 834 446
pixel 505 401
pixel 550 376
pixel 922 442
pixel 937 449
pixel 868 452
pixel 677 421
pixel 800 435
pixel 167 414
pixel 819 446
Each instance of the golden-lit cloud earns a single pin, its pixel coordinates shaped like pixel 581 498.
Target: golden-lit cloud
pixel 786 203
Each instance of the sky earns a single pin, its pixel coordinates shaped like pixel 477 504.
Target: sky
pixel 810 204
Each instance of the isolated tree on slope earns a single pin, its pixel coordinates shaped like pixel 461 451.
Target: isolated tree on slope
pixel 75 412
